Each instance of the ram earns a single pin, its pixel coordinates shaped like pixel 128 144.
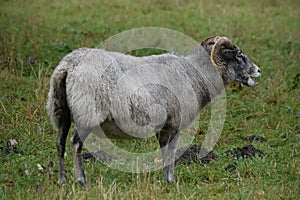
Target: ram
pixel 88 88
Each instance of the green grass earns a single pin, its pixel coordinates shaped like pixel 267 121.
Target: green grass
pixel 267 31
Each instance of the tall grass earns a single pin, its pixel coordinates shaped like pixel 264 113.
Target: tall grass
pixel 35 35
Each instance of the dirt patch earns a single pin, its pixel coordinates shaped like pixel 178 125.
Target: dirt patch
pixel 192 154
pixel 183 156
pixel 11 149
pixel 247 151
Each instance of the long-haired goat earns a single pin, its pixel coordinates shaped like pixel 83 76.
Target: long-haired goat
pixel 82 90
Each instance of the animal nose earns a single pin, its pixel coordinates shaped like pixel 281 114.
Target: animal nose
pixel 258 71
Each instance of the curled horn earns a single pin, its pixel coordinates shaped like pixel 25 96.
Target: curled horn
pixel 215 57
pixel 208 43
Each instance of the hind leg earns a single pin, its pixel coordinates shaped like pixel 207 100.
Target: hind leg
pixel 77 143
pixel 168 141
pixel 61 147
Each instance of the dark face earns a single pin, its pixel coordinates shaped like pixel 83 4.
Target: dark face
pixel 244 68
pixel 241 67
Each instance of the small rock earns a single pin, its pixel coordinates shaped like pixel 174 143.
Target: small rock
pixel 40 167
pixel 26 171
pixel 13 142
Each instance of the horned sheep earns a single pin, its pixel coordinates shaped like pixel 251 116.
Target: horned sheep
pixel 88 88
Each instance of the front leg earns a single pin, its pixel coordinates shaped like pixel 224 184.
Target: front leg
pixel 168 140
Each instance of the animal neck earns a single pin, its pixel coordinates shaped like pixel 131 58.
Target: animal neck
pixel 211 81
pixel 216 77
pixel 226 77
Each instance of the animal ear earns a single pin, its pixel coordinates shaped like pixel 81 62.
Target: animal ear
pixel 208 43
pixel 222 50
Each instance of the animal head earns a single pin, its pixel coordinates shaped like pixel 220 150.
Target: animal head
pixel 231 60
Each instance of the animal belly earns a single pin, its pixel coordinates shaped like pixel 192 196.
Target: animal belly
pixel 112 131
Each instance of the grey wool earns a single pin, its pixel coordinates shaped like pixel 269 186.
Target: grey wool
pixel 129 97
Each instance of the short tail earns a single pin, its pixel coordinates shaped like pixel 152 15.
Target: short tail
pixel 57 104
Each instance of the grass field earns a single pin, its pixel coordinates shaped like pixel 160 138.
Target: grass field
pixel 35 35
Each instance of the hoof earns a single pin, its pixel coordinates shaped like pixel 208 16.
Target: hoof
pixel 172 180
pixel 81 180
pixel 169 179
pixel 62 180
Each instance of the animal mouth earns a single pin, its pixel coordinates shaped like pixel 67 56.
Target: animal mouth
pixel 251 82
pixel 257 74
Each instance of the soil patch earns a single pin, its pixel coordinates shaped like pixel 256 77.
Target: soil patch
pixel 247 151
pixel 11 149
pixel 183 155
pixel 190 155
pixel 194 154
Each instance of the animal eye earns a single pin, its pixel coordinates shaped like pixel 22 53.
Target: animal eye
pixel 239 55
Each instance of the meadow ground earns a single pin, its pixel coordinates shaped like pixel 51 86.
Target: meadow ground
pixel 35 35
